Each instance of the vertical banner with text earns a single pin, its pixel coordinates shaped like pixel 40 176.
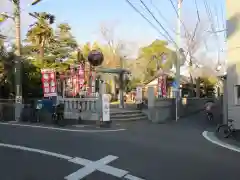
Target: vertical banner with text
pixel 160 81
pixel 105 107
pixel 139 95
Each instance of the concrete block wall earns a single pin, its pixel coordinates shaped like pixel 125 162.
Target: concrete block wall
pixel 164 109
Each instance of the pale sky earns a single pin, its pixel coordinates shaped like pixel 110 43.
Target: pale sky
pixel 85 18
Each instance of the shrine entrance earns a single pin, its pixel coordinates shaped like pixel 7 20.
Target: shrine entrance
pixel 121 75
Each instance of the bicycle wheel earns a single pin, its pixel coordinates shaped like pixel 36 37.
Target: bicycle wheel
pixel 60 120
pixel 54 118
pixel 224 130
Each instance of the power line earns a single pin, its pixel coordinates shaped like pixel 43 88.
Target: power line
pixel 149 22
pixel 170 37
pixel 209 14
pixel 198 23
pixel 161 15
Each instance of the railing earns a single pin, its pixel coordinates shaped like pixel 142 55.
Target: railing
pixel 73 107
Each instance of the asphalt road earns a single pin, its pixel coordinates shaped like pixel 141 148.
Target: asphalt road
pixel 151 152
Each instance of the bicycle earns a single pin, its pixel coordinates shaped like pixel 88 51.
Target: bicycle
pixel 209 116
pixel 226 129
pixel 58 115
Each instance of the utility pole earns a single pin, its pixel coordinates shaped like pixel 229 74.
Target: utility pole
pixel 178 58
pixel 121 83
pixel 18 64
pixel 18 61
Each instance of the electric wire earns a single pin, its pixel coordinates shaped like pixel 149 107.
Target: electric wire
pixel 145 18
pixel 165 20
pixel 212 25
pixel 170 37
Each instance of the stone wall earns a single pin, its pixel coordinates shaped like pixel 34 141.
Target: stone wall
pixel 165 109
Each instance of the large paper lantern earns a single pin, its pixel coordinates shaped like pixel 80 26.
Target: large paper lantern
pixel 95 58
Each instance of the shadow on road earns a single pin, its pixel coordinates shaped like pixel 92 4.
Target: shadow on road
pixel 197 121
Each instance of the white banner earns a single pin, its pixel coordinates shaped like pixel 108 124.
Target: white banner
pixel 105 107
pixel 139 95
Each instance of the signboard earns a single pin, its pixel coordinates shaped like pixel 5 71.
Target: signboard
pixel 49 83
pixel 105 107
pixel 18 99
pixel 139 95
pixel 175 86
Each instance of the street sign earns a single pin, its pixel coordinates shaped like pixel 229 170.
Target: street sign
pixel 175 85
pixel 105 107
pixel 18 99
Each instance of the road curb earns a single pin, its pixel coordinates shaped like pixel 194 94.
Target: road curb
pixel 210 136
pixel 63 129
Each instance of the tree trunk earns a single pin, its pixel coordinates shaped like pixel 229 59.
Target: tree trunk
pixel 41 50
pixel 41 53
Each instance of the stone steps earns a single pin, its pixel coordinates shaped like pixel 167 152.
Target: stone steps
pixel 126 115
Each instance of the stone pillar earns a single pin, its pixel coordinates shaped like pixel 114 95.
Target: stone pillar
pixel 102 90
pixel 151 97
pixel 121 88
pixel 151 103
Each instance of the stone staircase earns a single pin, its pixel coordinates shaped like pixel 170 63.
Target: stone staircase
pixel 117 114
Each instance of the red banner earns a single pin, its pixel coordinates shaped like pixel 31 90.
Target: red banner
pixel 49 83
pixel 162 89
pixel 163 86
pixel 160 86
pixel 81 76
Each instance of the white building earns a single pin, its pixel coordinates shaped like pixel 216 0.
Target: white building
pixel 233 60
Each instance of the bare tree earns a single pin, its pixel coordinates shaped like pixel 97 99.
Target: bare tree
pixel 195 46
pixel 117 48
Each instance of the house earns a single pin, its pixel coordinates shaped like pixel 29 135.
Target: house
pixel 233 61
pixel 153 82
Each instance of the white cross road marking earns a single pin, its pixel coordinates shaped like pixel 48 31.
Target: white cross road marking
pixel 91 166
pixel 130 177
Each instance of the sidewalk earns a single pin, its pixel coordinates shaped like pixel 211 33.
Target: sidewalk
pixel 228 143
pixel 231 140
